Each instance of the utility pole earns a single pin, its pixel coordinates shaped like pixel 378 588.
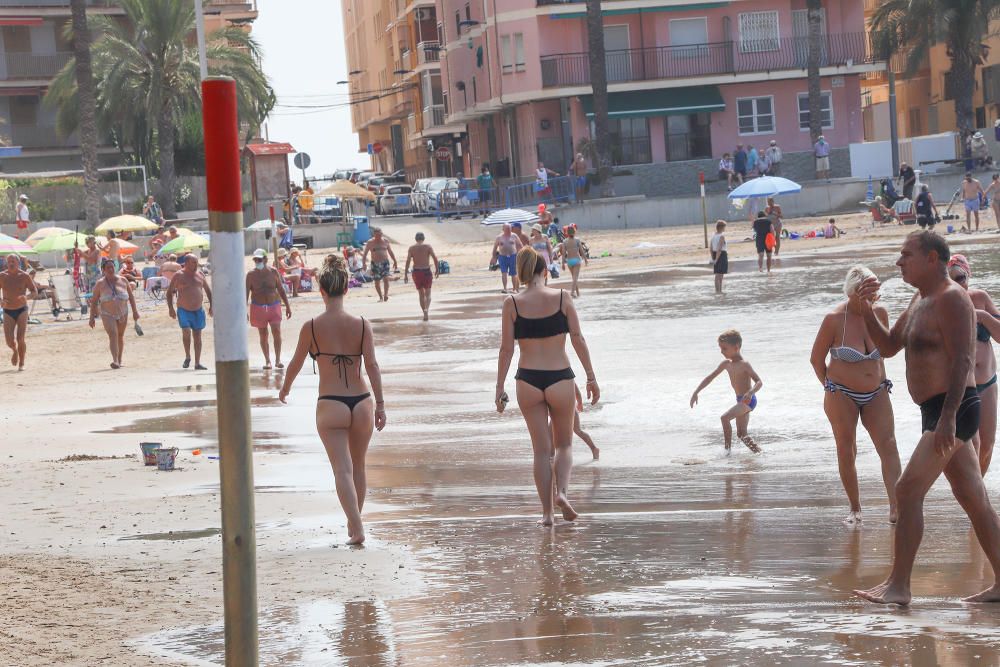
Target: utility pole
pixel 199 26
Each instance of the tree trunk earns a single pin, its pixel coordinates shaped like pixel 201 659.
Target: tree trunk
pixel 88 113
pixel 599 82
pixel 165 148
pixel 813 60
pixel 963 84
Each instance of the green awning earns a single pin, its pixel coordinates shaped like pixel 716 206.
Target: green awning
pixel 660 102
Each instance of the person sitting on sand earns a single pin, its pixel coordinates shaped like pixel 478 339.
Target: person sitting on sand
pixel 882 213
pixel 289 271
pixel 130 272
pixel 856 387
pixel 746 383
pixel 345 414
pixel 832 231
pixel 539 320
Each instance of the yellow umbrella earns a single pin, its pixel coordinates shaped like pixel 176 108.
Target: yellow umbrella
pixel 126 223
pixel 46 232
pixel 184 231
pixel 346 190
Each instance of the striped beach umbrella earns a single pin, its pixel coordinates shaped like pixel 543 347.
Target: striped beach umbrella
pixel 10 245
pixel 509 216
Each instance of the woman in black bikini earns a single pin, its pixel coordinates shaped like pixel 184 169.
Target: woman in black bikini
pixel 345 413
pixel 539 319
pixel 855 386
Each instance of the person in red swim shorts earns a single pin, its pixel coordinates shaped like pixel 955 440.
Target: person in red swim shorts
pixel 421 255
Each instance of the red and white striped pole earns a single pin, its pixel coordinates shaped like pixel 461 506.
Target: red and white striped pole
pixel 225 217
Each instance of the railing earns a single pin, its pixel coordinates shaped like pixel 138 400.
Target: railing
pixel 8 4
pixel 38 136
pixel 434 115
pixel 32 65
pixel 673 62
pixel 429 52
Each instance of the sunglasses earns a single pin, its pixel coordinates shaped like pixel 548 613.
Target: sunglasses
pixel 960 278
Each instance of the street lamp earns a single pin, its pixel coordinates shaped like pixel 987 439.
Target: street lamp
pixel 199 27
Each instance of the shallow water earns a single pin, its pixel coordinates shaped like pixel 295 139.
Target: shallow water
pixel 683 554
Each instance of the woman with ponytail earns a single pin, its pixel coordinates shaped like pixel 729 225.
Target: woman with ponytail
pixel 539 319
pixel 345 413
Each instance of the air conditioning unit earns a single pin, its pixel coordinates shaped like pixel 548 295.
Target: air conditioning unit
pixel 423 14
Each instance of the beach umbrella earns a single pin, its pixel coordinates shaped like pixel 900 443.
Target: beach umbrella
pixel 765 186
pixel 46 232
pixel 184 231
pixel 61 243
pixel 184 243
pixel 10 245
pixel 124 247
pixel 259 226
pixel 509 216
pixel 126 223
pixel 346 190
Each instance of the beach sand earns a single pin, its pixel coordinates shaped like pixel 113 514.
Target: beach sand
pixel 682 555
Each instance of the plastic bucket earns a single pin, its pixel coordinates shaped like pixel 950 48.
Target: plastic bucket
pixel 149 452
pixel 165 458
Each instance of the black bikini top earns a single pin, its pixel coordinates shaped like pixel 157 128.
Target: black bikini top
pixel 541 327
pixel 341 361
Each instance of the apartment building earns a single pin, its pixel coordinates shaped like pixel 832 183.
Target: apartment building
pixel 687 82
pixel 33 49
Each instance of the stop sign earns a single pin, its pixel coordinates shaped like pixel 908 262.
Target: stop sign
pixel 377 147
pixel 443 153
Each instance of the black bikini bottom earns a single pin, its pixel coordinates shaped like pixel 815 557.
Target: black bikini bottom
pixel 966 419
pixel 542 380
pixel 350 401
pixel 16 313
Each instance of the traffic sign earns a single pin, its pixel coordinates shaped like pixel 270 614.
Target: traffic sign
pixel 302 161
pixel 377 147
pixel 371 149
pixel 443 154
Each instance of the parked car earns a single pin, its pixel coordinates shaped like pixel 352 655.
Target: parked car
pixel 343 174
pixel 376 184
pixel 420 194
pixel 442 194
pixel 326 209
pixel 365 178
pixel 395 199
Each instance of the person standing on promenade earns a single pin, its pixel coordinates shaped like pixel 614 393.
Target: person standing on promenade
pixel 821 149
pixel 773 211
pixel 971 190
pixel 579 169
pixel 908 178
pixel 762 227
pixel 22 215
pixel 504 254
pixel 938 332
pixel 110 301
pixel 719 251
pixel 740 163
pixel 191 289
pixel 381 252
pixel 15 285
pixel 987 330
pixel 345 413
pixel 856 387
pixel 266 294
pixel 774 158
pixel 539 320
pixel 421 255
pixel 573 256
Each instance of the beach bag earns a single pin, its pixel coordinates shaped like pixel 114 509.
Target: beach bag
pixel 554 270
pixel 769 241
pixel 305 283
pixel 444 267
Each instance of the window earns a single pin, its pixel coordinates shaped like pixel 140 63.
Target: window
pixel 506 55
pixel 518 52
pixel 17 39
pixel 629 140
pixel 691 33
pixel 458 23
pixel 512 53
pixel 755 115
pixel 826 110
pixel 758 32
pixel 23 110
pixel 475 92
pixel 688 137
pixel 916 126
pixel 468 11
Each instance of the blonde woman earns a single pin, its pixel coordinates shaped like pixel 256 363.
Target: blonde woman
pixel 539 319
pixel 110 301
pixel 340 344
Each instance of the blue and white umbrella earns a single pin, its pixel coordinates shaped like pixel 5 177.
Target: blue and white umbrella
pixel 509 216
pixel 765 186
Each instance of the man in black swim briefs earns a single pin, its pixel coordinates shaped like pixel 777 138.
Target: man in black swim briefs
pixel 938 332
pixel 15 285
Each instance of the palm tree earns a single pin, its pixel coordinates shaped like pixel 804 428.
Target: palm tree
pixel 88 112
pixel 599 82
pixel 914 26
pixel 814 12
pixel 147 77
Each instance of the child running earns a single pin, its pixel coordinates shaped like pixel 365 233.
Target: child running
pixel 741 376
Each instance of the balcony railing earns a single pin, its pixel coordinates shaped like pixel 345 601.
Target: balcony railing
pixel 429 52
pixel 434 115
pixel 678 62
pixel 32 65
pixel 11 4
pixel 37 136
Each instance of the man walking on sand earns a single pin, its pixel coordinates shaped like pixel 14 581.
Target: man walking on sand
pixel 15 285
pixel 971 190
pixel 266 293
pixel 938 332
pixel 191 289
pixel 504 254
pixel 381 252
pixel 421 256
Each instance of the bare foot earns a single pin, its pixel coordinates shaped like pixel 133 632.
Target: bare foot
pixel 425 316
pixel 853 518
pixel 13 359
pixel 569 514
pixel 356 540
pixel 884 594
pixel 991 594
pixel 546 520
pixel 893 514
pixel 279 365
pixel 267 366
pixel 597 453
pixel 115 366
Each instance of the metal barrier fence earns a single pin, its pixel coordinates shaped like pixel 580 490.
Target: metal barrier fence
pixel 557 189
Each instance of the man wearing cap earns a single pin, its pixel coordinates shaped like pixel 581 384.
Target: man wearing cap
pixel 266 293
pixel 381 252
pixel 22 214
pixel 774 157
pixel 821 149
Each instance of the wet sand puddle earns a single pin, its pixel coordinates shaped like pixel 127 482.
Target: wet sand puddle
pixel 683 555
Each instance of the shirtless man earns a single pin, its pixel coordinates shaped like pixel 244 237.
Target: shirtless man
pixel 505 249
pixel 191 289
pixel 938 332
pixel 381 251
pixel 519 233
pixel 91 262
pixel 421 255
pixel 114 249
pixel 971 189
pixel 15 285
pixel 266 293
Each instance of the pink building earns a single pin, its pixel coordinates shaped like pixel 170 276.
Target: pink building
pixel 688 81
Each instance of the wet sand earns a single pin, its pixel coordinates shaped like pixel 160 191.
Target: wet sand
pixel 682 555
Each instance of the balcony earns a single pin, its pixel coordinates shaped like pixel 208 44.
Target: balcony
pixel 718 58
pixel 21 66
pixel 434 116
pixel 38 136
pixel 16 4
pixel 428 52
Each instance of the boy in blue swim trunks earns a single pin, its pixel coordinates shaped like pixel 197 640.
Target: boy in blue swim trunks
pixel 190 289
pixel 746 383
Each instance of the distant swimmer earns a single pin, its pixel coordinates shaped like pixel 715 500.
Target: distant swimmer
pixel 856 387
pixel 339 344
pixel 423 259
pixel 15 286
pixel 539 320
pixel 746 383
pixel 938 332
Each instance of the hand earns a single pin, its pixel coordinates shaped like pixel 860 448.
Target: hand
pixel 135 314
pixel 501 400
pixel 92 322
pixel 868 290
pixel 173 314
pixel 747 398
pixel 406 278
pixel 288 312
pixel 380 418
pixel 944 435
pixel 694 399
pixel 593 392
pixel 283 395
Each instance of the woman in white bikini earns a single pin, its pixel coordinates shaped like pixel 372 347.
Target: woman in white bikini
pixel 110 301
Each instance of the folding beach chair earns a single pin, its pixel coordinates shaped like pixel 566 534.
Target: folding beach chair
pixel 68 296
